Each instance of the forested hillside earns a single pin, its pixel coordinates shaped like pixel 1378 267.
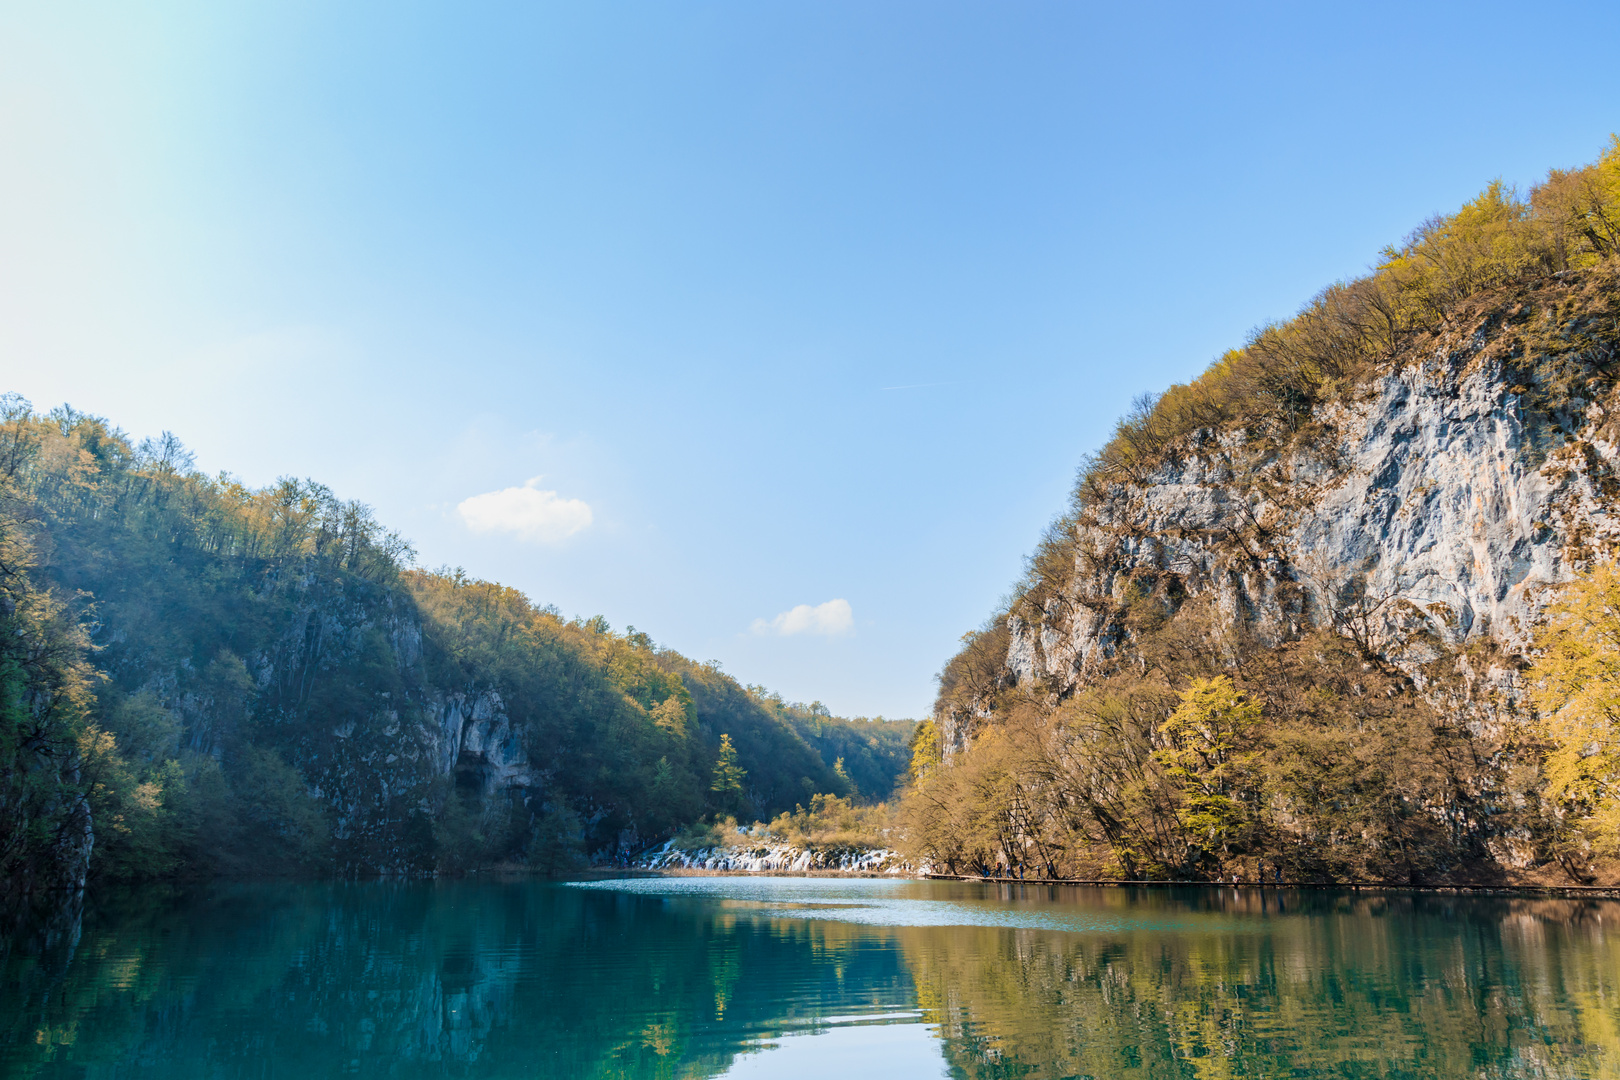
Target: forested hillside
pixel 869 755
pixel 1337 609
pixel 198 677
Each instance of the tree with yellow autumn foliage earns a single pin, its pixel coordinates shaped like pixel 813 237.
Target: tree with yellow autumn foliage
pixel 1576 689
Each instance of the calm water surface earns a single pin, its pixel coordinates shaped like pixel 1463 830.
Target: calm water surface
pixel 790 977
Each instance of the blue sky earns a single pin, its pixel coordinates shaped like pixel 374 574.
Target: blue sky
pixel 775 329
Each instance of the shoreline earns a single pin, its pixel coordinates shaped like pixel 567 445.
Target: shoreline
pixel 1598 891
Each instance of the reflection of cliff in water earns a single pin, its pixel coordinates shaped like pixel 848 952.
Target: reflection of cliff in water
pixel 1335 984
pixel 434 980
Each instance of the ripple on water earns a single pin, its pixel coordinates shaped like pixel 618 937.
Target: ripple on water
pixel 891 902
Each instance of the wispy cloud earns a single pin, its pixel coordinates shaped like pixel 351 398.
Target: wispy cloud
pixel 829 620
pixel 528 512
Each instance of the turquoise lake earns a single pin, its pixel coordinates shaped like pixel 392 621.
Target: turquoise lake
pixel 814 977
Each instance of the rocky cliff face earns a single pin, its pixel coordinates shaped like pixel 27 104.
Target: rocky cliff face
pixel 384 769
pixel 1427 515
pixel 1287 619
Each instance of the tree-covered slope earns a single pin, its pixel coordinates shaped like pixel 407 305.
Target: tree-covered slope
pixel 870 755
pixel 1288 623
pixel 200 677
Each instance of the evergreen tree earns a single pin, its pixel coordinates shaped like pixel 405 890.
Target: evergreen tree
pixel 728 776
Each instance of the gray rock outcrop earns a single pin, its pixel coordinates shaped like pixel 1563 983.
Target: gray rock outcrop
pixel 1433 512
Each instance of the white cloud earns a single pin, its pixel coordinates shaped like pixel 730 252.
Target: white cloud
pixel 532 514
pixel 832 618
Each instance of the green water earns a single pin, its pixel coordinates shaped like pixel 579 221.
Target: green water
pixel 789 977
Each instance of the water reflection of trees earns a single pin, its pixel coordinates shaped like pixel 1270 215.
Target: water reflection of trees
pixel 1336 985
pixel 482 979
pixel 422 980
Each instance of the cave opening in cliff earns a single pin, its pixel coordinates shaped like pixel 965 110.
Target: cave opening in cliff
pixel 472 773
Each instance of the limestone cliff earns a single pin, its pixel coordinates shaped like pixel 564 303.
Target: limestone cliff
pixel 1367 564
pixel 1428 512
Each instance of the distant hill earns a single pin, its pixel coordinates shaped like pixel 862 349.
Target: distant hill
pixel 870 755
